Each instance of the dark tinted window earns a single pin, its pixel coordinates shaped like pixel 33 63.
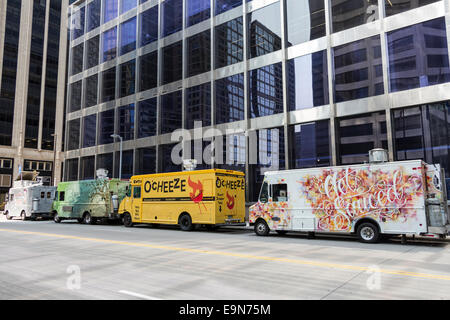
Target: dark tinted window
pixel 128 36
pixel 148 71
pixel 199 53
pixel 147 118
pixel 74 134
pixel 105 161
pixel 198 105
pixel 109 85
pixel 165 163
pixel 89 130
pixel 94 14
pixel 77 59
pixel 87 168
pixel 146 161
pixel 127 78
pixel 126 122
pixel 91 84
pixel 230 99
pixel 229 43
pixel 92 54
pixel 110 44
pixel 75 96
pixel 171 107
pixel 149 26
pixel 106 127
pixel 172 63
pixel 172 17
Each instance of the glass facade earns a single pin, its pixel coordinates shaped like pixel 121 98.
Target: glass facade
pixel 282 94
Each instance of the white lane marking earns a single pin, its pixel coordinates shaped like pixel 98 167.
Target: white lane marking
pixel 138 295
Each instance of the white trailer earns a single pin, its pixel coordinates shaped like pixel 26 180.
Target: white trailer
pixel 29 199
pixel 369 200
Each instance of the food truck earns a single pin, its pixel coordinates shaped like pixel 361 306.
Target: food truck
pixel 211 197
pixel 89 200
pixel 29 198
pixel 369 200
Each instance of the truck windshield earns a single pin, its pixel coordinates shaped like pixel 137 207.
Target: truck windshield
pixel 264 194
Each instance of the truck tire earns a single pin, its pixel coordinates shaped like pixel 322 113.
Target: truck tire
pixel 368 232
pixel 185 223
pixel 8 217
pixel 127 221
pixel 23 215
pixel 88 219
pixel 261 228
pixel 56 218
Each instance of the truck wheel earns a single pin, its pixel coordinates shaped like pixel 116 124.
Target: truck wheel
pixel 261 228
pixel 8 217
pixel 87 219
pixel 127 221
pixel 56 218
pixel 23 215
pixel 186 223
pixel 368 232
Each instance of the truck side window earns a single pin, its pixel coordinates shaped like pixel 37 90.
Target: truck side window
pixel 279 192
pixel 61 196
pixel 128 191
pixel 136 192
pixel 49 195
pixel 42 195
pixel 264 194
pixel 56 195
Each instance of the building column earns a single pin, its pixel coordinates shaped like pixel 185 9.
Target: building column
pixel 2 35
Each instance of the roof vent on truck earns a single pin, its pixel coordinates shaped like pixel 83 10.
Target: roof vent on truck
pixel 378 155
pixel 189 164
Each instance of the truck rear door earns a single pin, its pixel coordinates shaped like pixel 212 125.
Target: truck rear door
pixel 436 198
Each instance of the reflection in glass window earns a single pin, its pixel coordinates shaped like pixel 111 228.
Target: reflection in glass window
pixel 89 130
pixel 230 99
pixel 127 78
pixel 359 134
pixel 71 171
pixel 197 11
pixel 229 43
pixel 172 17
pixel 105 161
pixel 87 168
pixel 267 150
pixel 148 71
pixel 110 44
pixel 358 70
pixel 199 53
pixel 77 58
pixel 396 6
pixel 165 159
pixel 307 81
pixel 127 164
pixel 171 112
pixel 126 122
pixel 149 26
pixel 110 9
pixel 423 132
pixel 91 86
pixel 147 118
pixel 198 105
pixel 225 5
pixel 418 56
pixel 234 152
pixel 351 13
pixel 93 15
pixel 75 96
pixel 78 19
pixel 146 161
pixel 106 127
pixel 128 36
pixel 305 20
pixel 309 145
pixel 109 85
pixel 92 54
pixel 127 5
pixel 74 134
pixel 266 90
pixel 264 28
pixel 172 63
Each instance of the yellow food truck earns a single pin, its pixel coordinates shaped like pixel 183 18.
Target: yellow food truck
pixel 212 197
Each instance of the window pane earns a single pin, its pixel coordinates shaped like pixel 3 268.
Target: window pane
pixel 234 152
pixel 198 105
pixel 225 5
pixel 172 63
pixel 105 161
pixel 92 47
pixel 106 127
pixel 127 5
pixel 126 122
pixel 91 91
pixel 94 14
pixel 171 109
pixel 74 134
pixel 148 71
pixel 309 145
pixel 305 21
pixel 77 59
pixel 109 85
pixel 229 43
pixel 147 118
pixel 197 11
pixel 149 26
pixel 172 17
pixel 78 19
pixel 146 161
pixel 128 36
pixel 351 13
pixel 396 6
pixel 266 90
pixel 75 96
pixel 87 168
pixel 307 81
pixel 418 56
pixel 71 173
pixel 230 99
pixel 127 78
pixel 264 28
pixel 110 44
pixel 199 53
pixel 110 9
pixel 358 70
pixel 89 130
pixel 165 163
pixel 359 134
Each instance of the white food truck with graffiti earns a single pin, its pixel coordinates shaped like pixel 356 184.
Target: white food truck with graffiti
pixel 369 200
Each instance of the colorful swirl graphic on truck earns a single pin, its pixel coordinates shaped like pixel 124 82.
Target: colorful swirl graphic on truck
pixel 339 197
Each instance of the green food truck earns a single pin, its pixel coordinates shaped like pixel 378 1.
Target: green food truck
pixel 88 200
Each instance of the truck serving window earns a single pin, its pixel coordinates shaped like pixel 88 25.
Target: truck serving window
pixel 136 192
pixel 264 194
pixel 279 192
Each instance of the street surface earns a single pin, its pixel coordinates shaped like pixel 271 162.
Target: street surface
pixel 45 260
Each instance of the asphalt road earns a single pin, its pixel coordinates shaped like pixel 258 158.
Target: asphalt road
pixel 44 260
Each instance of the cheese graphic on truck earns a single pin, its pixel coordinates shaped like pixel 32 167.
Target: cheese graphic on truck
pixel 203 197
pixel 398 198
